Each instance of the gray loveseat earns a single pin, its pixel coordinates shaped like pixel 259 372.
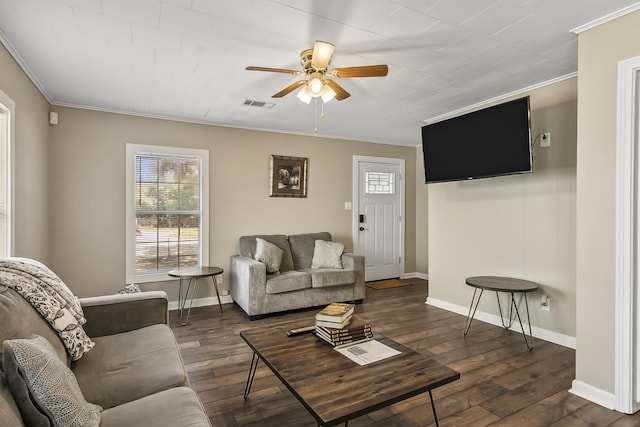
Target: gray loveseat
pixel 135 371
pixel 296 284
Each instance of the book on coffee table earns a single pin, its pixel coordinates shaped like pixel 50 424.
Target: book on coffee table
pixel 338 341
pixel 357 330
pixel 335 312
pixel 334 325
pixel 356 325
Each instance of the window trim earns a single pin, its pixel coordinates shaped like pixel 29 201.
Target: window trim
pixel 9 107
pixel 130 207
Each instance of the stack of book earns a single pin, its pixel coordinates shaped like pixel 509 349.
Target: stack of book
pixel 336 315
pixel 344 327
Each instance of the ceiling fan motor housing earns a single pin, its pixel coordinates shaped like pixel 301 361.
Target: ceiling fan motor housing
pixel 306 57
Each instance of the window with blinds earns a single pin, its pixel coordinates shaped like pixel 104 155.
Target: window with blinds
pixel 168 210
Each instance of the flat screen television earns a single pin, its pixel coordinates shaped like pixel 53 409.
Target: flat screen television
pixel 494 141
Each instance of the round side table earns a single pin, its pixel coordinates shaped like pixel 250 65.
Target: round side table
pixel 192 274
pixel 502 284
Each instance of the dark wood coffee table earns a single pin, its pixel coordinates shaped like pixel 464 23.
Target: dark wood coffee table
pixel 333 388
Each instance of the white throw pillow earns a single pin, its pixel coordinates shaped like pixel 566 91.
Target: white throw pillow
pixel 327 254
pixel 268 254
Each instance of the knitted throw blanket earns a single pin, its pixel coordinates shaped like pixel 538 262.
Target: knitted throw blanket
pixel 48 295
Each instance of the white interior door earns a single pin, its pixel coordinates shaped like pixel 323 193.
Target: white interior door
pixel 378 213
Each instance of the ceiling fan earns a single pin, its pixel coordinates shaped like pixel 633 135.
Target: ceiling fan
pixel 318 80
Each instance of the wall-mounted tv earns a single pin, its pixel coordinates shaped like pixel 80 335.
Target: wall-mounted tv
pixel 490 142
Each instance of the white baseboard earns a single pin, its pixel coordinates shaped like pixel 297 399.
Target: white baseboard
pixel 594 394
pixel 416 276
pixel 543 334
pixel 202 302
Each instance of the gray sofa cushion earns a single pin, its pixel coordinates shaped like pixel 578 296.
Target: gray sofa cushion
pixel 325 277
pixel 127 366
pixel 53 389
pixel 247 247
pixel 9 412
pixel 302 247
pixel 20 320
pixel 175 407
pixel 287 282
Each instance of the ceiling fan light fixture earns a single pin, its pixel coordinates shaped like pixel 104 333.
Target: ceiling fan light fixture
pixel 304 94
pixel 322 53
pixel 315 86
pixel 327 93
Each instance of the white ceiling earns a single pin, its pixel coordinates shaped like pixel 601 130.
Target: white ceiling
pixel 185 59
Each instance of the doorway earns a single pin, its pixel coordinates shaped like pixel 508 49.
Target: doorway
pixel 378 215
pixel 627 329
pixel 7 126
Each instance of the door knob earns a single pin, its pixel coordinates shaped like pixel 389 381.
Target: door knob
pixel 361 228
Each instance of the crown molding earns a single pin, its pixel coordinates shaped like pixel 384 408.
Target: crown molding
pixel 606 18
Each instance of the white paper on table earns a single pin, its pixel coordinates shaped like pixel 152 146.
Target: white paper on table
pixel 367 352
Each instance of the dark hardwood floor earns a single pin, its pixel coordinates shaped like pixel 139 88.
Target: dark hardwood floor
pixel 501 383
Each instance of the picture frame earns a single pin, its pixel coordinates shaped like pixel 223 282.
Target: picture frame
pixel 288 176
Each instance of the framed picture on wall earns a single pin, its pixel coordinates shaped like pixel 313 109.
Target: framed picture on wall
pixel 288 176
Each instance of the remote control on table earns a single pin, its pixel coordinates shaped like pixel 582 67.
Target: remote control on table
pixel 300 331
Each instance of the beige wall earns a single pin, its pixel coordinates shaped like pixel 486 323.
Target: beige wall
pixel 31 166
pixel 422 216
pixel 521 226
pixel 600 50
pixel 87 190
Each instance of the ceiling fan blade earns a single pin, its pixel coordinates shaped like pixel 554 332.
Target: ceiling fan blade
pixel 290 88
pixel 340 92
pixel 274 70
pixel 363 71
pixel 322 53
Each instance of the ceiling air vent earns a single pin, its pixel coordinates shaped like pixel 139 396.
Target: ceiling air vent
pixel 261 104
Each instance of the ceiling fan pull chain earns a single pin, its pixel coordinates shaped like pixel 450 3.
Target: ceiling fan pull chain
pixel 315 116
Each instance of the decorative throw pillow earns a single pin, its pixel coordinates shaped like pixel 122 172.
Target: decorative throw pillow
pixel 327 254
pixel 268 254
pixel 53 391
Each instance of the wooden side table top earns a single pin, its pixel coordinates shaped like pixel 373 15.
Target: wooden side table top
pixel 196 271
pixel 501 284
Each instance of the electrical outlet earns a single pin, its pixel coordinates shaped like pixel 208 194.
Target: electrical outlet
pixel 545 139
pixel 545 303
pixel 224 292
pixel 219 279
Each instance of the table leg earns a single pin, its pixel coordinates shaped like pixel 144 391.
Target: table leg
pixel 215 285
pixel 182 302
pixel 524 335
pixel 511 318
pixel 252 373
pixel 433 408
pixel 471 315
